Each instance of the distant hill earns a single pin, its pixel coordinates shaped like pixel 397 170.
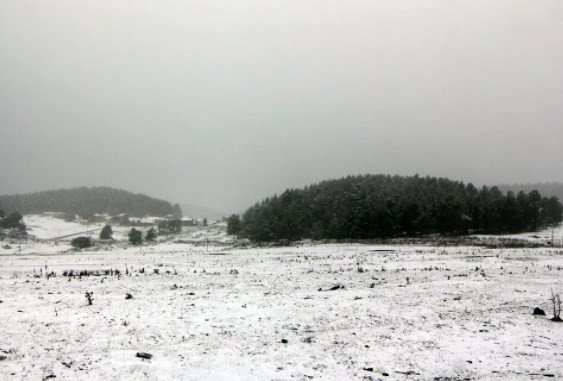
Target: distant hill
pixel 197 211
pixel 375 206
pixel 546 189
pixel 88 201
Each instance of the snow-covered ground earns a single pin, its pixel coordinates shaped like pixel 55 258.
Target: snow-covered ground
pixel 221 313
pixel 47 227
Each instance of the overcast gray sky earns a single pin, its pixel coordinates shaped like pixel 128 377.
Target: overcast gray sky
pixel 221 103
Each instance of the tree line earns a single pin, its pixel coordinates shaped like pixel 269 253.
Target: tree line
pixel 379 206
pixel 546 189
pixel 86 202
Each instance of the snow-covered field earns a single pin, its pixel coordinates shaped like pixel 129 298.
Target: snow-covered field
pixel 50 235
pixel 49 228
pixel 404 312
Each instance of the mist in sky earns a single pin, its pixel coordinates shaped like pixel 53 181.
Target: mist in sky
pixel 222 103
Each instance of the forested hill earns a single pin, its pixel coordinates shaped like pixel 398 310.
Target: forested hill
pixel 546 189
pixel 88 201
pixel 373 206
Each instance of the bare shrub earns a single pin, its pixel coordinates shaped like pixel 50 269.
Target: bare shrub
pixel 556 300
pixel 89 297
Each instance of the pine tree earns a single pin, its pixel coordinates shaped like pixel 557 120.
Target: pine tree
pixel 177 211
pixel 106 232
pixel 81 242
pixel 233 224
pixel 135 236
pixel 151 235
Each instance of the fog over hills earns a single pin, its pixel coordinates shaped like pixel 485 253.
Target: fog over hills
pixel 224 103
pixel 197 211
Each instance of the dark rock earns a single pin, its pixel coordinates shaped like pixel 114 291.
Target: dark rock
pixel 284 341
pixel 144 355
pixel 538 311
pixel 370 369
pixel 385 374
pixel 128 296
pixel 408 372
pixel 334 288
pixel 2 357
